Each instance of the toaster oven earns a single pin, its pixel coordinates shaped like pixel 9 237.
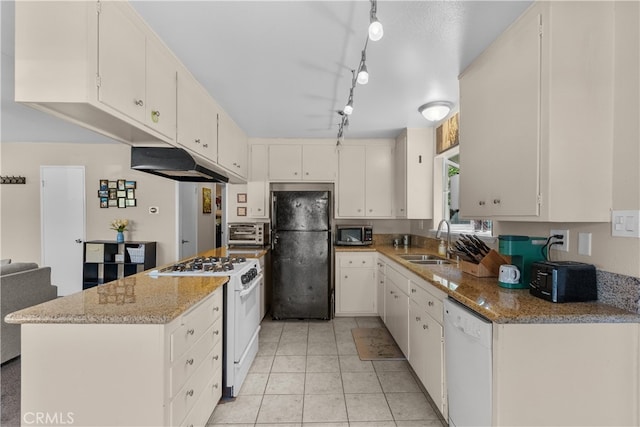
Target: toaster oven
pixel 248 233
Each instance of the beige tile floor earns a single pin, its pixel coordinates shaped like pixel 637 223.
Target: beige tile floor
pixel 308 373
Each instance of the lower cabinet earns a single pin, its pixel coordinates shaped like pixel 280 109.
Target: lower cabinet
pixel 380 287
pixel 396 304
pixel 355 284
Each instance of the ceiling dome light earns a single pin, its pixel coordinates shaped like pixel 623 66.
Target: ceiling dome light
pixel 436 110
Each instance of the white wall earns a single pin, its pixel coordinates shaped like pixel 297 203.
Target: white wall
pixel 20 204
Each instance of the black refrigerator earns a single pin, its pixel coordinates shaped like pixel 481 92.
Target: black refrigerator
pixel 301 255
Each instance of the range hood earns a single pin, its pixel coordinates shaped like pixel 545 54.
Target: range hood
pixel 173 163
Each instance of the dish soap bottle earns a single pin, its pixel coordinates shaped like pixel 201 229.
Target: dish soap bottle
pixel 442 248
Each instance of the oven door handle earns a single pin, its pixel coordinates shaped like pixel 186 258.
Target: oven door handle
pixel 250 289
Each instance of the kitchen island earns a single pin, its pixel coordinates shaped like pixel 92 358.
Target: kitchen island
pixel 552 364
pixel 141 350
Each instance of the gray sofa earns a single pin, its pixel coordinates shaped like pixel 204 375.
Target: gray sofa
pixel 22 284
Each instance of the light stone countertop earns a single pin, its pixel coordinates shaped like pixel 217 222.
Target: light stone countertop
pixel 500 305
pixel 136 299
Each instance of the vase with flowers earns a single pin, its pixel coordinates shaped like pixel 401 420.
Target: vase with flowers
pixel 120 225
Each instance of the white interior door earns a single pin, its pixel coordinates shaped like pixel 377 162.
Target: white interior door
pixel 188 220
pixel 63 225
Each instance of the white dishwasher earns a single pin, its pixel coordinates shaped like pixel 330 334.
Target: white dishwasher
pixel 467 340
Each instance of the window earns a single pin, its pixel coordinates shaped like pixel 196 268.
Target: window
pixel 450 166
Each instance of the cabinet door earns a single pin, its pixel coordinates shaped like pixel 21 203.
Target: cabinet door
pixel 232 146
pixel 397 315
pixel 197 118
pixel 319 162
pixel 161 91
pixel 121 61
pixel 257 186
pixel 417 342
pixel 351 182
pixel 356 293
pixel 285 163
pixel 400 190
pixel 379 181
pixel 500 126
pixel 380 288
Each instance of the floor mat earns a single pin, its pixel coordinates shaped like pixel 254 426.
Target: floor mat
pixel 376 344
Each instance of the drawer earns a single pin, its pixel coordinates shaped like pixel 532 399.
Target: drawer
pixel 187 364
pixel 427 301
pixel 194 324
pixel 356 260
pixel 204 407
pixel 399 279
pixel 195 387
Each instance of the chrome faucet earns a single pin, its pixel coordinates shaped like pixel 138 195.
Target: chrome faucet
pixel 439 231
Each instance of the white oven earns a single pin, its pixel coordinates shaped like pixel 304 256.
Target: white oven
pixel 241 310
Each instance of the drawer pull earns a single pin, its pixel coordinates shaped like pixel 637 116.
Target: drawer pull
pixel 215 385
pixel 190 393
pixel 216 308
pixel 190 361
pixel 138 102
pixel 216 332
pixel 430 303
pixel 216 357
pixel 417 319
pixel 191 331
pixel 413 291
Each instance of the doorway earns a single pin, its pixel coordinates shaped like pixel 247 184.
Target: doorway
pixel 62 219
pixel 187 220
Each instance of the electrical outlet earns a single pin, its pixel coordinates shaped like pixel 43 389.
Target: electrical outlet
pixel 564 247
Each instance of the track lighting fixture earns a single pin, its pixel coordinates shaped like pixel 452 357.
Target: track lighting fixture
pixel 436 110
pixel 375 27
pixel 363 74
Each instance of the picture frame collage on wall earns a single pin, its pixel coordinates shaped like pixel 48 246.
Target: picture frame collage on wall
pixel 120 193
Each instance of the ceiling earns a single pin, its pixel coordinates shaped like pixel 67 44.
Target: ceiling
pixel 283 68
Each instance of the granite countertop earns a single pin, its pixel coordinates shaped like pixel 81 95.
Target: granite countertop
pixel 500 305
pixel 136 299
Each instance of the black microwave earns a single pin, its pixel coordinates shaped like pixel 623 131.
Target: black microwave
pixel 354 235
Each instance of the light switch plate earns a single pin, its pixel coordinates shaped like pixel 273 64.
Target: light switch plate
pixel 584 244
pixel 625 223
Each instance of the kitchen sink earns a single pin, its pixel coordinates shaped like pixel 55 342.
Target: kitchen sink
pixel 425 259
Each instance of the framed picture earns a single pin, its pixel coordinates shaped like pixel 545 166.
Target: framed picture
pixel 104 202
pixel 131 193
pixel 241 211
pixel 447 134
pixel 129 184
pixel 206 200
pixel 122 202
pixel 113 194
pixel 121 185
pixel 121 193
pixel 113 184
pixel 104 184
pixel 242 197
pixel 103 193
pixel 113 203
pixel 130 202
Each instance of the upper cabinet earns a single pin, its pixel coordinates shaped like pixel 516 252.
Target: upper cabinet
pixel 365 181
pixel 98 65
pixel 232 146
pixel 301 162
pixel 197 118
pixel 413 193
pixel 536 118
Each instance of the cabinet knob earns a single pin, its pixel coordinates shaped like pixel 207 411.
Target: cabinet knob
pixel 205 145
pixel 430 303
pixel 391 292
pixel 381 282
pixel 191 331
pixel 190 392
pixel 216 308
pixel 295 173
pixel 481 202
pixel 215 385
pixel 259 209
pixel 359 210
pixel 350 262
pixel 364 262
pixel 417 319
pixel 306 173
pixel 425 326
pixel 138 102
pixel 155 116
pixel 197 141
pixel 216 332
pixel 496 201
pixel 413 290
pixel 190 361
pixel 395 296
pixel 370 210
pixel 346 277
pixel 216 357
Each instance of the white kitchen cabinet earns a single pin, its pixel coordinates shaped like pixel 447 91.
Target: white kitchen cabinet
pixel 98 65
pixel 355 284
pixel 396 307
pixel 426 339
pixel 413 157
pixel 365 181
pixel 535 118
pixel 232 146
pixel 197 118
pixel 258 184
pixel 160 374
pixel 301 162
pixel 380 287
